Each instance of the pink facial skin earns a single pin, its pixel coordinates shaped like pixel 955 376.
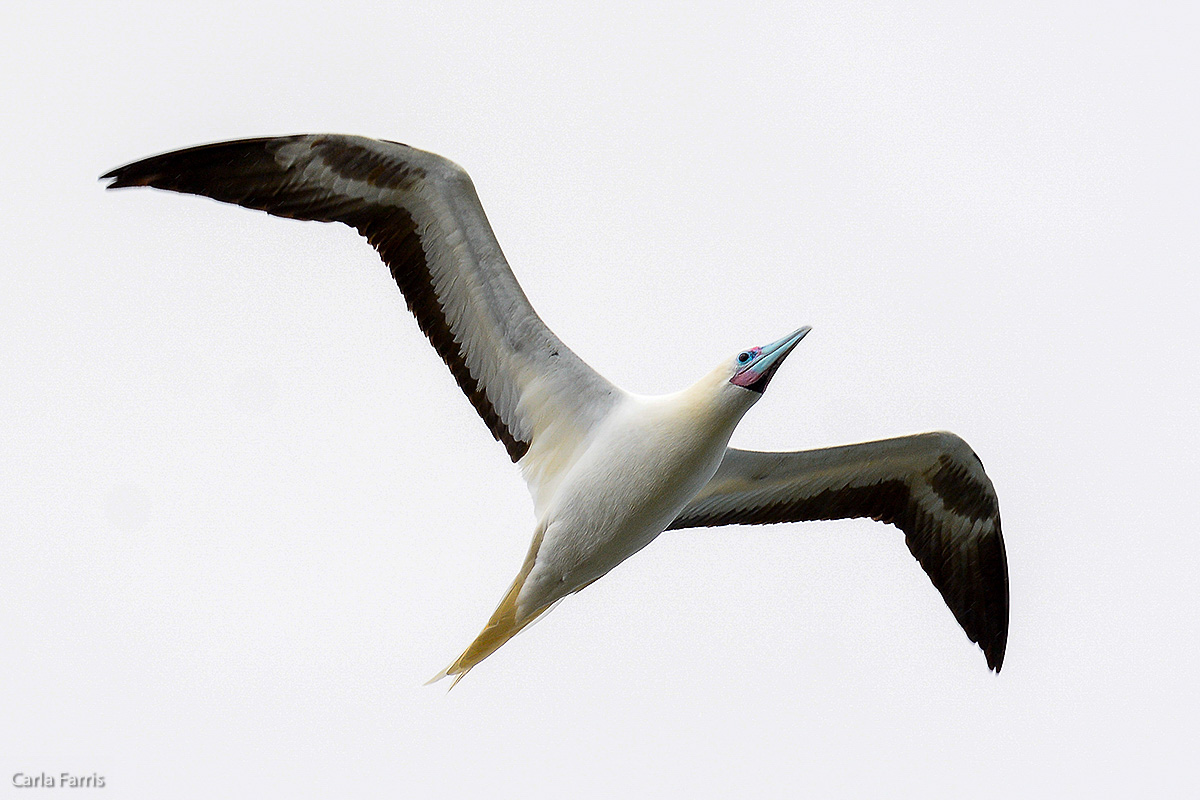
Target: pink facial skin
pixel 746 378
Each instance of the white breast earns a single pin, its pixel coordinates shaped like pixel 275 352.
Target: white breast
pixel 645 462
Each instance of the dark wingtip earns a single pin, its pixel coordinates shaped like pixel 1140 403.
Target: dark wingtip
pixel 125 176
pixel 999 642
pixel 995 657
pixel 170 170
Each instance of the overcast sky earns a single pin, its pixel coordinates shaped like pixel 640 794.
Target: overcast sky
pixel 246 513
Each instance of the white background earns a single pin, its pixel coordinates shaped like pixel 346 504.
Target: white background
pixel 245 512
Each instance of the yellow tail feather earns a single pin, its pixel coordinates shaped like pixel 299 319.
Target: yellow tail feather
pixel 500 628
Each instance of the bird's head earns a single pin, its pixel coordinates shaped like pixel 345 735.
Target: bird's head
pixel 752 369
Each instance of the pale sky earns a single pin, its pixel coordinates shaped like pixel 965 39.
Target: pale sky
pixel 246 512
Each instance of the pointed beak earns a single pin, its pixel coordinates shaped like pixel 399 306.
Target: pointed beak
pixel 757 374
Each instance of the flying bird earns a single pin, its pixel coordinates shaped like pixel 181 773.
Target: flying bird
pixel 608 470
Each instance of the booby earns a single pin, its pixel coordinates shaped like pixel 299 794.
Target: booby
pixel 608 470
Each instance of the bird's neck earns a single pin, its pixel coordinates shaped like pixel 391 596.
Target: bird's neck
pixel 714 402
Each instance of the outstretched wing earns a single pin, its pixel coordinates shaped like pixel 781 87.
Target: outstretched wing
pixel 931 486
pixel 421 212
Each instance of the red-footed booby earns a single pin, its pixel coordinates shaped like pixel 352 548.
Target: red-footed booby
pixel 608 470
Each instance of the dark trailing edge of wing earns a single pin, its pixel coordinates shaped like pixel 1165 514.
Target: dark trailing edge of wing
pixel 247 173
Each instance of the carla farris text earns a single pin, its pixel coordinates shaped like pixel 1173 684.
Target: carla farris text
pixel 64 780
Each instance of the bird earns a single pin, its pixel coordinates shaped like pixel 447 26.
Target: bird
pixel 608 470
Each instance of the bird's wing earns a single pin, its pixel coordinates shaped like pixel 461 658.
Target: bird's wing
pixel 931 486
pixel 421 212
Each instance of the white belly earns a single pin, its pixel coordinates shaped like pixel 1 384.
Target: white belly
pixel 630 484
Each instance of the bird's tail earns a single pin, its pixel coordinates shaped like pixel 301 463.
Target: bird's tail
pixel 504 624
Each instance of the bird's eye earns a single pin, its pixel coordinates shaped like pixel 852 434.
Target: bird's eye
pixel 743 357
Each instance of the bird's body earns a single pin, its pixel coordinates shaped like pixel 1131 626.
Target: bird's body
pixel 646 461
pixel 641 465
pixel 608 470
